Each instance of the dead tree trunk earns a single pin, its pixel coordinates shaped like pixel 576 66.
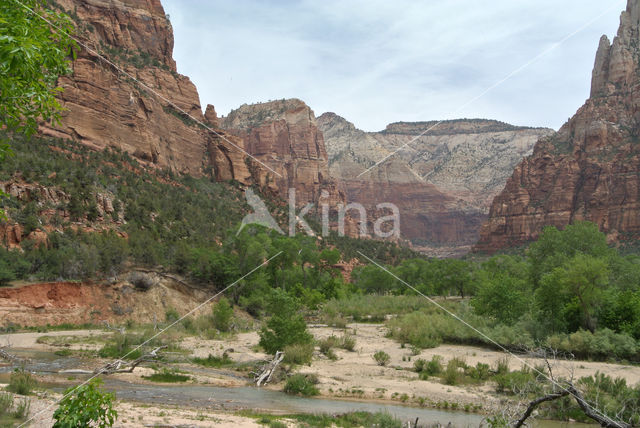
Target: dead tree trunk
pixel 589 411
pixel 265 373
pixel 7 356
pixel 120 366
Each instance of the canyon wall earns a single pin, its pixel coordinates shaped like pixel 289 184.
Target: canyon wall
pixel 589 170
pixel 107 108
pixel 442 182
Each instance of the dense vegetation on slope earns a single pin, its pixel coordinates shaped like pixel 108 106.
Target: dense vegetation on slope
pixel 181 223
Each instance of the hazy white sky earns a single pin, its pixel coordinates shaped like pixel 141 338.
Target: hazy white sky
pixel 378 61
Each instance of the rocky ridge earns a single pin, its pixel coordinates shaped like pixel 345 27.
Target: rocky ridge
pixel 589 170
pixel 443 182
pixel 284 135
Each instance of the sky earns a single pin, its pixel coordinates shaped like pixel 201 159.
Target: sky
pixel 375 62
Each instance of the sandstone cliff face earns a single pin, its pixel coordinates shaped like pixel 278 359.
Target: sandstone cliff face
pixel 442 183
pixel 106 108
pixel 284 135
pixel 591 169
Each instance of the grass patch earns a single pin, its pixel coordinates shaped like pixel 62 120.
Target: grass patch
pixel 12 411
pixel 214 361
pixel 298 353
pixel 22 382
pixel 168 376
pixel 369 308
pixel 346 420
pixel 300 384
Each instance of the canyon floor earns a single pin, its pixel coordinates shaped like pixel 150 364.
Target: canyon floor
pixel 353 376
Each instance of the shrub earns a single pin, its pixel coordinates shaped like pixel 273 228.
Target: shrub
pixel 213 361
pixel 22 382
pixel 120 345
pixel 6 403
pixel 602 344
pixel 167 376
pixel 451 374
pixel 502 366
pixel 428 368
pixel 285 327
pixel 141 281
pixel 300 384
pixel 382 358
pixel 222 315
pixel 171 315
pixel 480 372
pixel 513 382
pixel 347 342
pixel 85 406
pixel 298 353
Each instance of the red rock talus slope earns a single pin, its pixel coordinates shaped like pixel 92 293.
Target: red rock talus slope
pixel 107 108
pixel 442 183
pixel 590 170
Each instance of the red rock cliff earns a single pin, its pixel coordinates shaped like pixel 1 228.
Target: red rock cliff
pixel 590 170
pixel 107 108
pixel 284 135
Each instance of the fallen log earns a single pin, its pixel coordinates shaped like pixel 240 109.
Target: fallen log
pixel 264 375
pixel 118 366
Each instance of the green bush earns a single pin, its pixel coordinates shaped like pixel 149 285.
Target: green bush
pixel 86 405
pixel 300 384
pixel 452 375
pixel 286 326
pixel 22 382
pixel 222 315
pixel 213 361
pixel 382 358
pixel 347 342
pixel 120 345
pixel 167 376
pixel 298 353
pixel 602 344
pixel 432 367
pixel 480 372
pixel 513 382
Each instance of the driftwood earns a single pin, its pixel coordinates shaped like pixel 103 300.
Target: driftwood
pixel 120 366
pixel 7 356
pixel 120 330
pixel 263 376
pixel 570 389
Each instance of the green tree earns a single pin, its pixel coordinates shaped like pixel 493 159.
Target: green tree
pixel 222 315
pixel 571 293
pixel 286 326
pixel 84 406
pixel 554 247
pixel 32 57
pixel 6 273
pixel 503 297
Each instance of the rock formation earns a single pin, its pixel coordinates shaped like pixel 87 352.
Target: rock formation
pixel 284 135
pixel 590 170
pixel 105 107
pixel 442 183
